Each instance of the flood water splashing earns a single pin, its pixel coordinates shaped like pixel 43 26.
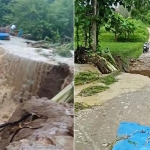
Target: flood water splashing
pixel 21 78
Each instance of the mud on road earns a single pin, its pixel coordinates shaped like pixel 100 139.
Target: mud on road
pixel 126 100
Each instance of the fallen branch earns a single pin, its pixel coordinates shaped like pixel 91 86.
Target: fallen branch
pixel 122 138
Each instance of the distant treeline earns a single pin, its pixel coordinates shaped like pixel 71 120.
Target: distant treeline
pixel 40 18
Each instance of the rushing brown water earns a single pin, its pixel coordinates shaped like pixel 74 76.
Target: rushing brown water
pixel 21 78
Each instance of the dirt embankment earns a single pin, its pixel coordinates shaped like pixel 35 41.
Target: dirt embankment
pixel 142 64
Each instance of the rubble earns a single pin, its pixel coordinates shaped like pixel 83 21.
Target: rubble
pixel 49 127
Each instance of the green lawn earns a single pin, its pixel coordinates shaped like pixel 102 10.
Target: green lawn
pixel 127 50
pixel 132 48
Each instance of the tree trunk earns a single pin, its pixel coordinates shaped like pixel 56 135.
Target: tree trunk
pixel 85 38
pixel 128 36
pixel 97 34
pixel 94 28
pixel 98 28
pixel 77 33
pixel 116 37
pixel 89 37
pixel 125 36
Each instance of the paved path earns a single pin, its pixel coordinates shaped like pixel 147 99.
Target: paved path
pixel 95 127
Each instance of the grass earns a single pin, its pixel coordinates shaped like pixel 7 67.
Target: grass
pixel 81 106
pixel 109 37
pixel 64 50
pixel 126 50
pixel 109 79
pixel 92 90
pixel 130 49
pixel 86 77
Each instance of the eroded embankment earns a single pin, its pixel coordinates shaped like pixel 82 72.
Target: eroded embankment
pixel 141 66
pixel 21 78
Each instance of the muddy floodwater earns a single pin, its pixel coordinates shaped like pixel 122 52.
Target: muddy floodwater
pixel 25 73
pixel 29 78
pixel 18 46
pixel 126 83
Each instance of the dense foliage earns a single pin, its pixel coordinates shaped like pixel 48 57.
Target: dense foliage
pixel 126 48
pixel 41 18
pixel 120 26
pixel 90 15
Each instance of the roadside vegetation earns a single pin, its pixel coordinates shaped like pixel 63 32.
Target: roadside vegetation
pixel 100 83
pixel 119 29
pixel 92 90
pixel 81 106
pixel 88 77
pixel 107 35
pixel 126 48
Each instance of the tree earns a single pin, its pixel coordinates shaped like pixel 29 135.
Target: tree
pixel 128 27
pixel 120 26
pixel 41 18
pixel 94 12
pixel 147 17
pixel 61 15
pixel 97 11
pixel 3 10
pixel 140 9
pixel 114 25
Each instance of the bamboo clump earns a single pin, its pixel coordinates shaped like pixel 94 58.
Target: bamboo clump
pixel 66 95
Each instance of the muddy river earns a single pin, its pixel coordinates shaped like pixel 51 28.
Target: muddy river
pixel 25 73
